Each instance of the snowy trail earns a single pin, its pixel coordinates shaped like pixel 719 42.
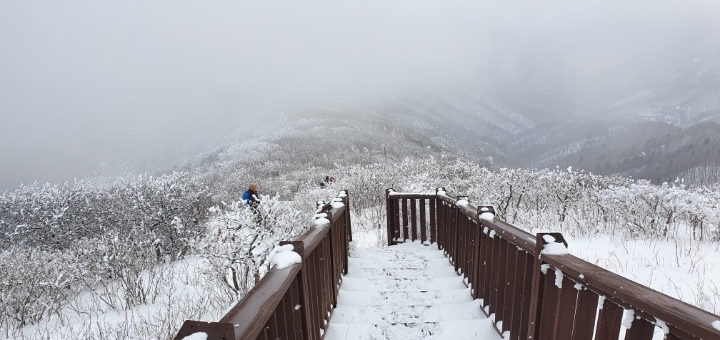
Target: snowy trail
pixel 407 291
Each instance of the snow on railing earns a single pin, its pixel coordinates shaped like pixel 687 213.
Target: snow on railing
pixel 295 299
pixel 507 268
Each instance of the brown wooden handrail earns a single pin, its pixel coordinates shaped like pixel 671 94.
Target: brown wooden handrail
pixel 294 302
pixel 506 268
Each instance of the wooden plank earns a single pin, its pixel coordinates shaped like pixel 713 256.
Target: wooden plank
pixel 566 310
pixel 423 222
pixel 501 279
pixel 460 244
pixel 477 275
pixel 585 313
pixel 433 222
pixel 550 300
pixel 440 226
pixel 404 215
pixel 469 246
pixel 271 328
pixel 330 251
pixel 297 314
pixel 398 221
pixel 526 296
pixel 285 316
pixel 510 294
pixel 488 286
pixel 413 219
pixel 389 214
pixel 640 329
pixel 494 269
pixel 316 292
pixel 608 326
pixel 454 239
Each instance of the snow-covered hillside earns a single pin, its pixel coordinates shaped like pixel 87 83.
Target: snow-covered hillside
pixel 113 259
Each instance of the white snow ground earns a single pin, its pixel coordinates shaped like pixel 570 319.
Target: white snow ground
pixel 407 291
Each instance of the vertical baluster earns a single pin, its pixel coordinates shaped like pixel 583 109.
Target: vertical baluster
pixel 640 329
pixel 536 293
pixel 677 334
pixel 317 292
pixel 413 219
pixel 509 287
pixel 565 310
pixel 585 312
pixel 423 222
pixel 346 200
pixel 390 215
pixel 405 234
pixel 487 275
pixel 439 224
pixel 494 268
pixel 477 275
pixel 518 293
pixel 551 296
pixel 501 278
pixel 297 308
pixel 284 319
pixel 461 243
pixel 330 259
pixel 433 223
pixel 309 298
pixel 481 265
pixel 469 245
pixel 329 291
pixel 526 296
pixel 398 221
pixel 608 325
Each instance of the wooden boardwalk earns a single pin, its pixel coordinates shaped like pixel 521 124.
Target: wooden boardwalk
pixel 406 291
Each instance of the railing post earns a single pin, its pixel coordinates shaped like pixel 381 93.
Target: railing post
pixel 299 247
pixel 390 213
pixel 332 245
pixel 348 229
pixel 537 297
pixel 536 292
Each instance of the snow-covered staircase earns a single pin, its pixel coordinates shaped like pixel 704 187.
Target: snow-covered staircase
pixel 407 291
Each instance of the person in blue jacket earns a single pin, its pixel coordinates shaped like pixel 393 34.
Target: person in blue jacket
pixel 250 196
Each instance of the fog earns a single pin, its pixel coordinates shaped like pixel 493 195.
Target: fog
pixel 146 83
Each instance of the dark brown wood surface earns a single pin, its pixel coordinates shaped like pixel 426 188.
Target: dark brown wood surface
pixel 585 312
pixel 609 318
pixel 251 313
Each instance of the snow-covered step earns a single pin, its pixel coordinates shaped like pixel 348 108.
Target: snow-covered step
pixel 403 298
pixel 407 291
pixel 396 284
pixel 355 263
pixel 407 314
pixel 447 330
pixel 393 273
pixel 389 254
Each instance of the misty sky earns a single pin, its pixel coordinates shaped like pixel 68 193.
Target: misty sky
pixel 147 82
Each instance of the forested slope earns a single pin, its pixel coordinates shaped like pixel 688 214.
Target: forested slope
pixel 176 244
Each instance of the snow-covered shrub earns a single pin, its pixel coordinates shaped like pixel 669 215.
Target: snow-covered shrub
pixel 34 284
pixel 238 241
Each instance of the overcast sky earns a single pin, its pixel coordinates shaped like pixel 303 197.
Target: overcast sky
pixel 147 82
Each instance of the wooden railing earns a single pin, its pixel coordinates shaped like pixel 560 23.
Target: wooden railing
pixel 528 283
pixel 294 302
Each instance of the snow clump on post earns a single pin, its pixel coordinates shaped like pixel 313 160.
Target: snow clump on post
pixel 284 256
pixel 337 203
pixel 552 247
